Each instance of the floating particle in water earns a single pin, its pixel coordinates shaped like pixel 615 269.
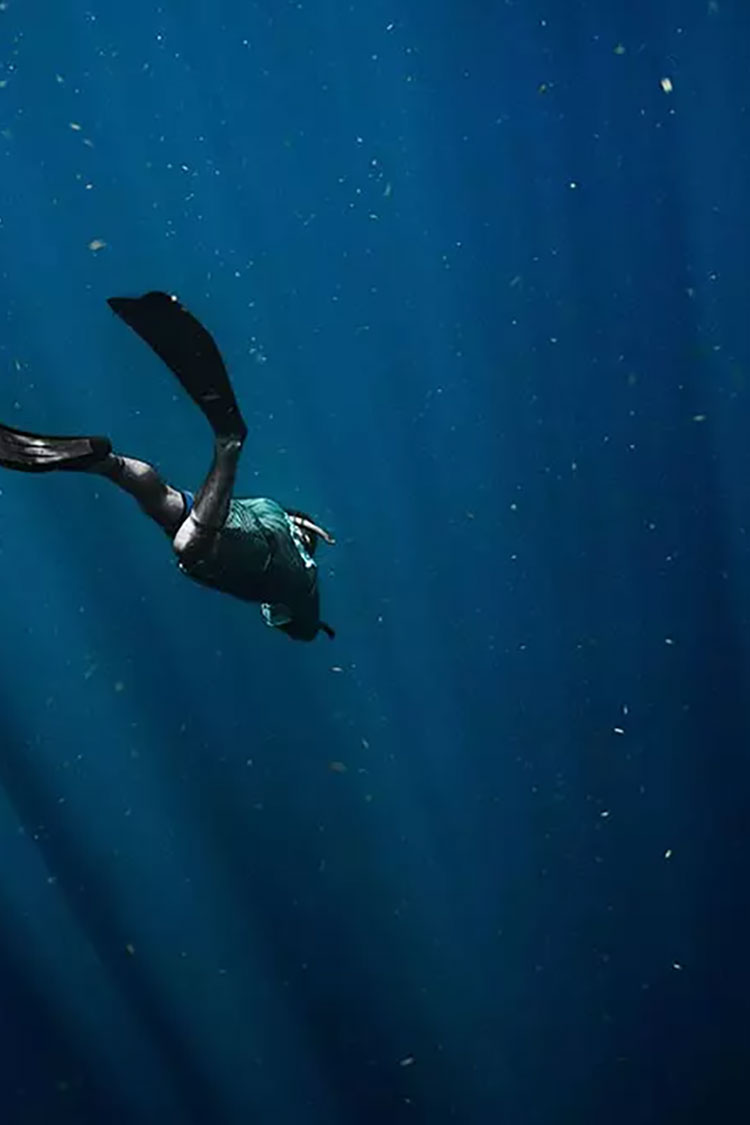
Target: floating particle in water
pixel 130 949
pixel 97 244
pixel 666 85
pixel 668 853
pixel 620 49
pixel 338 767
pixel 408 1061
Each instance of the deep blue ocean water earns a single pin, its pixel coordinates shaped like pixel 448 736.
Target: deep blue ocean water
pixel 479 273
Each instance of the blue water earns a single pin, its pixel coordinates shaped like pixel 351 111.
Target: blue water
pixel 479 272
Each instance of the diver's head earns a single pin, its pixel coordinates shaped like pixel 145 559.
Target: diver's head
pixel 309 531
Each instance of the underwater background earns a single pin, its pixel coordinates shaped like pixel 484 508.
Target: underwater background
pixel 479 273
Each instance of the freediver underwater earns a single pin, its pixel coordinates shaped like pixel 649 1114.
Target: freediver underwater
pixel 250 547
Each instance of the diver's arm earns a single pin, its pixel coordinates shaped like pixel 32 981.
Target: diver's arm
pixel 307 525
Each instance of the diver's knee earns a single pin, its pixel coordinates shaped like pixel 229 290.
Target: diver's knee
pixel 191 540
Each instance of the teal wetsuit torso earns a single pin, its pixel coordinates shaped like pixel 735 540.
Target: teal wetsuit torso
pixel 258 556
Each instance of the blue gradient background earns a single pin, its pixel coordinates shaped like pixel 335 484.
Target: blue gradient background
pixel 482 286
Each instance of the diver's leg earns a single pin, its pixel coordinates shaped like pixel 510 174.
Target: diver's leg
pixel 211 505
pixel 190 352
pixel 157 499
pixel 43 453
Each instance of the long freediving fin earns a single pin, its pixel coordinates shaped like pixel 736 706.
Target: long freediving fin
pixel 189 351
pixel 36 453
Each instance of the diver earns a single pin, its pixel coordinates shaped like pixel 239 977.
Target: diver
pixel 252 548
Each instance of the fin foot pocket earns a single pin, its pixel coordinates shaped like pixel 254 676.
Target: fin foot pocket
pixel 37 453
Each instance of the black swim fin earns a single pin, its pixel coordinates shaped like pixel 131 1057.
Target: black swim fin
pixel 189 352
pixel 35 453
